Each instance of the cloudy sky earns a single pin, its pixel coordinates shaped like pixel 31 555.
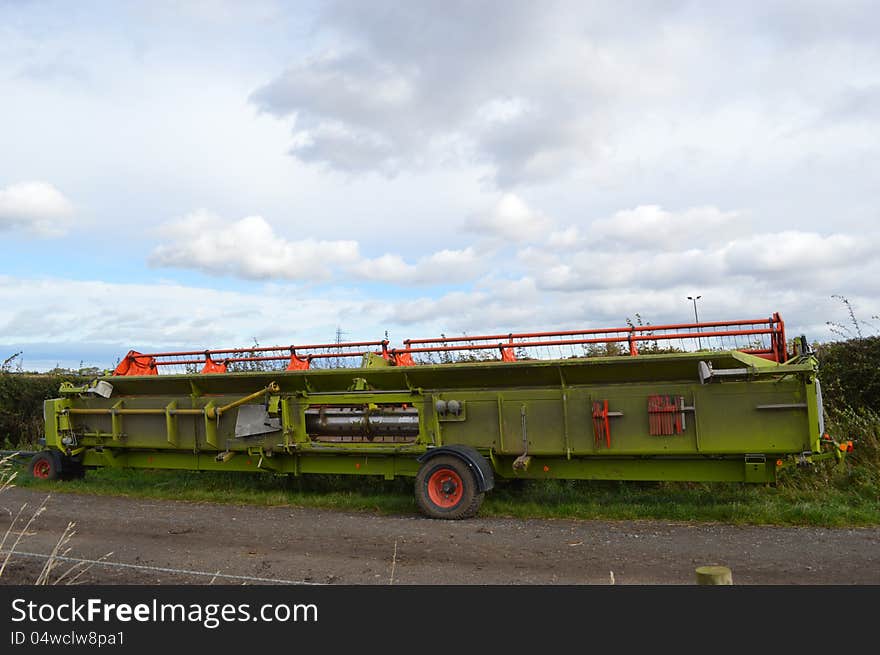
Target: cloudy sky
pixel 209 173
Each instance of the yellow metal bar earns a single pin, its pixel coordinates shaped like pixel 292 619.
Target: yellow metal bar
pixel 116 420
pixel 219 411
pixel 171 423
pixel 162 412
pixel 211 424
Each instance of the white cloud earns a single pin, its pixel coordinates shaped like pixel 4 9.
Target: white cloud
pixel 430 86
pixel 36 206
pixel 539 92
pixel 171 315
pixel 792 252
pixel 510 219
pixel 790 259
pixel 652 227
pixel 248 248
pixel 443 267
pixel 642 252
pixel 569 238
pixel 651 248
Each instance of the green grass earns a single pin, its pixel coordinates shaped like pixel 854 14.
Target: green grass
pixel 832 500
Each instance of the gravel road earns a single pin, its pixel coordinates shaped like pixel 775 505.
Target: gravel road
pixel 171 542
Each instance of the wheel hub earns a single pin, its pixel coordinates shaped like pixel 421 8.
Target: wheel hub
pixel 41 469
pixel 445 488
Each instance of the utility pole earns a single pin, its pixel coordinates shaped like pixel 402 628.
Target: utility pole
pixel 337 362
pixel 696 318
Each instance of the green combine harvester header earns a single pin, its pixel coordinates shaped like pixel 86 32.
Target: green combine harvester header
pixel 631 403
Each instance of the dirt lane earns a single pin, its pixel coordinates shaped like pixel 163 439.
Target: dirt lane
pixel 317 546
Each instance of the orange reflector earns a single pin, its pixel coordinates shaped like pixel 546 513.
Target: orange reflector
pixel 778 462
pixel 546 468
pixel 357 465
pixel 842 447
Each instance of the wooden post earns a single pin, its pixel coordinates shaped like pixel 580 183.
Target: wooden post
pixel 711 575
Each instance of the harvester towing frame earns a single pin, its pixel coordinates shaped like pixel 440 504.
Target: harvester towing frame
pixel 458 413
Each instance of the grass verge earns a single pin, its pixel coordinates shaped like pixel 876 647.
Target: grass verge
pixel 795 501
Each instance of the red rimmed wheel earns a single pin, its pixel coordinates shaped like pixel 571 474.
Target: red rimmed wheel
pixel 447 489
pixel 44 466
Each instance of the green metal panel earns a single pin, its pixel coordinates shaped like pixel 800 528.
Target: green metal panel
pixel 644 469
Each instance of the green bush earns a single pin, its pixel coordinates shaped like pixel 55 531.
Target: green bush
pixel 850 372
pixel 21 406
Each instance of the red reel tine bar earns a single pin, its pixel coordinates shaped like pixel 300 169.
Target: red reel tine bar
pixel 763 337
pixel 218 360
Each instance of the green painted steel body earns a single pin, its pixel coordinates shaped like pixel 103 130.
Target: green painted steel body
pixel 530 419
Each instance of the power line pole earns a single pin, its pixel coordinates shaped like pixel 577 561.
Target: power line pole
pixel 696 319
pixel 337 362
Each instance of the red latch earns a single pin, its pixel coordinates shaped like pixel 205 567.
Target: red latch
pixel 665 415
pixel 601 424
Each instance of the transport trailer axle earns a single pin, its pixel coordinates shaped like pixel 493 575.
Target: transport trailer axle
pixel 18 454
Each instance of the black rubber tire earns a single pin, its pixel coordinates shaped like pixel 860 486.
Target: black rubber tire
pixel 469 502
pixel 44 466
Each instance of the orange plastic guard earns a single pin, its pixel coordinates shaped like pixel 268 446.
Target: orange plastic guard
pixel 213 367
pixel 403 359
pixel 134 363
pixel 298 363
pixel 507 355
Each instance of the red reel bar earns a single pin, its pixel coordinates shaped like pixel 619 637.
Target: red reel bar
pixel 769 333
